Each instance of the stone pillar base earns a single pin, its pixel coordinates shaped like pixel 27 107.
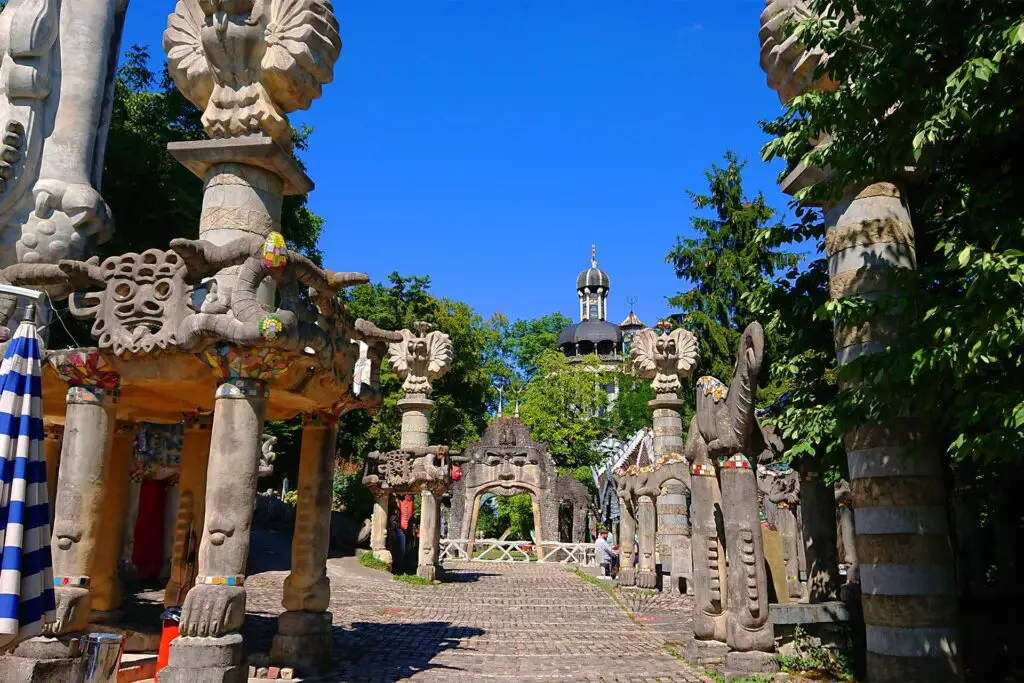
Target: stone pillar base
pixel 742 664
pixel 383 556
pixel 303 642
pixel 627 577
pixel 429 572
pixel 206 660
pixel 706 652
pixel 647 579
pixel 44 660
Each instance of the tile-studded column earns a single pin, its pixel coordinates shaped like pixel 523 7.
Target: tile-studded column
pixel 303 637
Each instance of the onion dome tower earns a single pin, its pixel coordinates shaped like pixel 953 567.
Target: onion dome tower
pixel 630 326
pixel 593 334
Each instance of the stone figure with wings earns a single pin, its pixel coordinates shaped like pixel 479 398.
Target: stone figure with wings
pixel 247 63
pixel 664 358
pixel 421 358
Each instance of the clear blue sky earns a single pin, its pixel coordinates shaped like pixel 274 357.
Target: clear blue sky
pixel 488 143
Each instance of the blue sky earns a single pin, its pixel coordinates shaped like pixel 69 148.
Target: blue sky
pixel 488 143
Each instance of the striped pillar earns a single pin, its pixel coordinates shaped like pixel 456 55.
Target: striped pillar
pixel 906 562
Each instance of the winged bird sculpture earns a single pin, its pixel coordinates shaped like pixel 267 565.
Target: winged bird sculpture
pixel 421 358
pixel 664 358
pixel 247 63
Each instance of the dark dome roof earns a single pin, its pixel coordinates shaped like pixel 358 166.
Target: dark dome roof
pixel 593 277
pixel 593 331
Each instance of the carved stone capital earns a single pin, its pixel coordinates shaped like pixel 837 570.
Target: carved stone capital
pixel 664 358
pixel 420 358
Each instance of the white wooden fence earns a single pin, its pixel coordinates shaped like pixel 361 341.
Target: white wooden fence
pixel 494 550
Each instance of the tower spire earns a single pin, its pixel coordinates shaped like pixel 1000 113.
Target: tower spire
pixel 593 256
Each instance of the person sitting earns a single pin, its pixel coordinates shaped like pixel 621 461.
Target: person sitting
pixel 605 555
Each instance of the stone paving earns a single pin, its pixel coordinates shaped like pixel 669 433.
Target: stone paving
pixel 490 622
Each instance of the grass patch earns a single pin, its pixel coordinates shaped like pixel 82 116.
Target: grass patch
pixel 371 562
pixel 672 651
pixel 815 659
pixel 603 585
pixel 714 675
pixel 413 579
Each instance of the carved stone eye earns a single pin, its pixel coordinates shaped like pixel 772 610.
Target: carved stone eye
pixel 123 291
pixel 162 289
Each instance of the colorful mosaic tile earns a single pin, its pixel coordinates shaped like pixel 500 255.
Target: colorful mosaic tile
pixel 92 395
pixel 157 447
pixel 713 387
pixel 237 580
pixel 75 581
pixel 85 367
pixel 702 469
pixel 242 387
pixel 275 251
pixel 270 327
pixel 737 462
pixel 255 362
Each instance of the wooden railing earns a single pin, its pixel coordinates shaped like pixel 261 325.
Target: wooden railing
pixel 494 550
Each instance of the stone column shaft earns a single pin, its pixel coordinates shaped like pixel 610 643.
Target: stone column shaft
pixel 52 437
pixel 303 637
pixel 646 574
pixel 818 513
pixel 709 567
pixel 105 586
pixel 416 409
pixel 668 424
pixel 906 560
pixel 430 531
pixel 188 523
pixel 85 455
pixel 379 526
pixel 627 536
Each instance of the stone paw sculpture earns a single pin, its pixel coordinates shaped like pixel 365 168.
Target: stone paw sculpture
pixel 212 611
pixel 72 610
pixel 315 597
pixel 66 220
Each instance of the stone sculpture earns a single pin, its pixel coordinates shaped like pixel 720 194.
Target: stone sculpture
pixel 416 467
pixel 664 358
pixel 56 82
pixel 869 243
pixel 725 430
pixel 784 492
pixel 247 64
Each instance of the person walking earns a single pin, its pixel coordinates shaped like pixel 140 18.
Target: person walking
pixel 606 555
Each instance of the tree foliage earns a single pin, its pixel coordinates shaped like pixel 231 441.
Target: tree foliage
pixel 930 94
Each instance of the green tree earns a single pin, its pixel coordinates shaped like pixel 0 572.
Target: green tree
pixel 563 407
pixel 729 258
pixel 630 413
pixel 520 343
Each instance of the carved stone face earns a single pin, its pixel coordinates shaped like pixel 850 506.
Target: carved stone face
pixel 145 299
pixel 506 468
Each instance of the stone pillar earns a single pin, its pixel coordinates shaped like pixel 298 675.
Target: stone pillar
pixel 818 513
pixel 210 646
pixel 81 496
pixel 668 424
pixel 907 569
pixel 674 535
pixel 709 567
pixel 188 522
pixel 171 504
pixel 430 532
pixel 646 573
pixel 105 586
pixel 53 435
pixel 749 632
pixel 845 523
pixel 131 517
pixel 627 535
pixel 379 526
pixel 416 409
pixel 303 637
pixel 791 554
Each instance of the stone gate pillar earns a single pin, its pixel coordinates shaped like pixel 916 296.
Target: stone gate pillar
pixel 303 637
pixel 646 572
pixel 627 536
pixel 379 526
pixel 106 588
pixel 214 608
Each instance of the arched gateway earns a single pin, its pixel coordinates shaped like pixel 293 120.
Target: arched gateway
pixel 506 461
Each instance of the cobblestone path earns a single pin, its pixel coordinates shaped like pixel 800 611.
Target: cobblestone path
pixel 490 622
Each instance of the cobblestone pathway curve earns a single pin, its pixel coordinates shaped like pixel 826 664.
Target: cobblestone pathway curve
pixel 491 622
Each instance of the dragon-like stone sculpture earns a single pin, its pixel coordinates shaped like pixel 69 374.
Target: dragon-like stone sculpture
pixel 792 69
pixel 421 358
pixel 664 358
pixel 247 63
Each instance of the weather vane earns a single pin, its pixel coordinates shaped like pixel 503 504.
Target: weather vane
pixel 593 256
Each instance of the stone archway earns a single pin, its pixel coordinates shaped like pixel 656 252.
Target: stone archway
pixel 505 461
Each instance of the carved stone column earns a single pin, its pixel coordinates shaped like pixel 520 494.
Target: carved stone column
pixel 82 482
pixel 53 435
pixel 303 637
pixel 674 535
pixel 188 524
pixel 131 518
pixel 749 632
pixel 818 513
pixel 709 567
pixel 668 424
pixel 379 526
pixel 214 608
pixel 627 536
pixel 105 586
pixel 845 521
pixel 430 534
pixel 646 574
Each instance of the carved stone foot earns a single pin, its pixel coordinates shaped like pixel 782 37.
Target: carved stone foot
pixel 206 660
pixel 745 663
pixel 303 642
pixel 72 611
pixel 627 577
pixel 212 611
pixel 647 579
pixel 706 652
pixel 384 556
